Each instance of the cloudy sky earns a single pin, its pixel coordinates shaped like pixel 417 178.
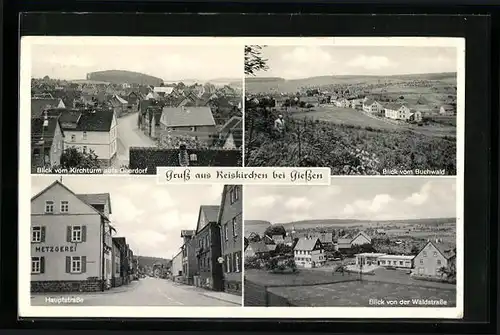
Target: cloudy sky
pixel 149 215
pixel 295 62
pixel 168 62
pixel 353 198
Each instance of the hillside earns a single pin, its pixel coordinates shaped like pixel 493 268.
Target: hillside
pixel 121 76
pixel 146 261
pixel 274 84
pixel 256 226
pixel 346 222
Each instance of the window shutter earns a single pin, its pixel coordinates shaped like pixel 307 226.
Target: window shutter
pixel 68 264
pixel 42 235
pixel 234 262
pixel 68 234
pixel 84 264
pixel 42 264
pixel 84 233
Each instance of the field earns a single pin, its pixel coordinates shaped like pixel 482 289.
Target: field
pixel 346 149
pixel 301 278
pixel 358 293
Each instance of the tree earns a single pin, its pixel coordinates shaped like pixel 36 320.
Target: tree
pixel 275 230
pixel 72 158
pixel 254 62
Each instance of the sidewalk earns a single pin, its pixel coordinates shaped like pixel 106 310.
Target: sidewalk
pixel 227 297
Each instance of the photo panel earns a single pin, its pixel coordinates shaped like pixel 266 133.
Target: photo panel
pixel 127 105
pixel 114 243
pixel 359 105
pixel 355 247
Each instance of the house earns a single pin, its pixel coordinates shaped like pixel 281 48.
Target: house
pixel 119 105
pixel 189 264
pixel 325 238
pixel 271 247
pixel 368 259
pixel 231 134
pixel 230 222
pixel 278 239
pixel 447 110
pixel 133 99
pixel 288 241
pixel 357 104
pixel 39 106
pixel 125 269
pixel 396 261
pixel 343 243
pixel 163 90
pixel 177 266
pixel 372 107
pixel 256 249
pixel 90 131
pixel 415 116
pixel 47 142
pixel 196 122
pixel 342 103
pixel 267 239
pixel 309 253
pixel 208 249
pixel 361 238
pixel 150 120
pixel 117 279
pixel 433 257
pixel 71 240
pixel 397 111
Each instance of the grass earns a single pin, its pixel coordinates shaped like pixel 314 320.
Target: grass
pixel 358 293
pixel 302 277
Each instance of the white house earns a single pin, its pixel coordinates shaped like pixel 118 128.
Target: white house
pixel 373 107
pixel 91 130
pixel 361 238
pixel 177 265
pixel 309 253
pixel 396 261
pixel 433 257
pixel 71 241
pixel 397 112
pixel 447 110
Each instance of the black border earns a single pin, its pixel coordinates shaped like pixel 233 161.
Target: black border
pixel 478 187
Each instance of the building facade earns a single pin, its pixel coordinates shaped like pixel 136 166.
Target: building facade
pixel 309 253
pixel 47 142
pixel 71 242
pixel 208 249
pixel 432 258
pixel 195 122
pixel 117 279
pixel 396 261
pixel 177 266
pixel 230 222
pixel 189 264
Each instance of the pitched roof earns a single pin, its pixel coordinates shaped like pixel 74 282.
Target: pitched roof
pixel 271 247
pixel 448 107
pixel 446 249
pixel 362 233
pixel 163 89
pixel 187 116
pixel 88 120
pixel 211 212
pixel 306 243
pixel 258 247
pixel 120 99
pixel 39 132
pixel 96 199
pixel 57 182
pixel 38 106
pixel 344 241
pixel 369 102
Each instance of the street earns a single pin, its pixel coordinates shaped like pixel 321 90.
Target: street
pixel 145 292
pixel 129 135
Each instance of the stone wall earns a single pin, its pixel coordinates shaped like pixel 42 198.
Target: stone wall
pixel 67 286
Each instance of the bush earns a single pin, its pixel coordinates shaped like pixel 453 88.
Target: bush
pixel 73 158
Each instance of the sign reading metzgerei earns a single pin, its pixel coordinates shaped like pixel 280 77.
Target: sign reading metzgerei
pixel 51 248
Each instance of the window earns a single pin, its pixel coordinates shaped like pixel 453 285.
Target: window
pixel 36 234
pixel 425 254
pixel 49 206
pixel 84 135
pixel 193 128
pixel 421 261
pixel 37 265
pixel 400 262
pixel 226 235
pixel 76 234
pixel 193 157
pixel 84 149
pixel 237 262
pixel 235 227
pixel 64 206
pixel 228 262
pixel 435 254
pixel 76 264
pixel 73 138
pixel 438 262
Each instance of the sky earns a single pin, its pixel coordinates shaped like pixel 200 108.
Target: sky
pixel 363 198
pixel 148 215
pixel 168 62
pixel 296 62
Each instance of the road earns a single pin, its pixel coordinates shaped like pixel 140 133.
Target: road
pixel 145 292
pixel 129 135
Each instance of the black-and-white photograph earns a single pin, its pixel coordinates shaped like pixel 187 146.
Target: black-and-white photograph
pixel 130 107
pixel 360 110
pixel 126 241
pixel 361 242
